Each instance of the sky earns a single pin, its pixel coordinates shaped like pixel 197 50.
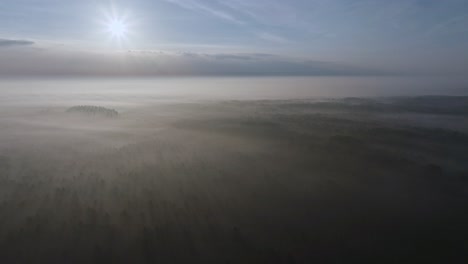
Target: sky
pixel 233 37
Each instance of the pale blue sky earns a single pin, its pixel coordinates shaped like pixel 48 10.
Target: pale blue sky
pixel 253 37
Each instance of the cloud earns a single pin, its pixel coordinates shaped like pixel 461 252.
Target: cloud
pixel 247 12
pixel 455 25
pixel 266 12
pixel 206 8
pixel 15 42
pixel 273 38
pixel 59 61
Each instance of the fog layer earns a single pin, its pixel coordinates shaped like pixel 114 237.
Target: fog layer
pixel 198 171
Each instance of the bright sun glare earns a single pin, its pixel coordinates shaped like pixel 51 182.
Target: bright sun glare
pixel 118 24
pixel 117 28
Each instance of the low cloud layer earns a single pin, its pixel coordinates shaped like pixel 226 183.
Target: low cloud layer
pixel 60 61
pixel 15 42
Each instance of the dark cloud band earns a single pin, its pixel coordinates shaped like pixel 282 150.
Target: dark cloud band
pixel 15 42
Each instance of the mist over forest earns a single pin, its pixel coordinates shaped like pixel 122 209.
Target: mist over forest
pixel 119 174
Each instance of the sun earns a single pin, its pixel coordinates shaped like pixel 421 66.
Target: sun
pixel 117 24
pixel 117 28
